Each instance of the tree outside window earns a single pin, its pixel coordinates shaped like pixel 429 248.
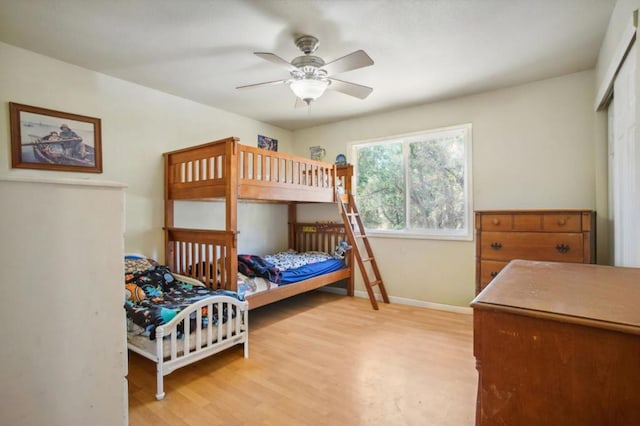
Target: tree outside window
pixel 416 185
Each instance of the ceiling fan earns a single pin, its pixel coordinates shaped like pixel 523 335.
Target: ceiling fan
pixel 311 76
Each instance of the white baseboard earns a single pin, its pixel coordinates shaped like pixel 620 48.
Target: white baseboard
pixel 405 301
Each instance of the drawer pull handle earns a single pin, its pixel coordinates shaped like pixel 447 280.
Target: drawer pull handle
pixel 562 248
pixel 496 221
pixel 493 274
pixel 562 222
pixel 496 246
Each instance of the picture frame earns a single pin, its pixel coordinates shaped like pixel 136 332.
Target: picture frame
pixel 269 144
pixel 45 139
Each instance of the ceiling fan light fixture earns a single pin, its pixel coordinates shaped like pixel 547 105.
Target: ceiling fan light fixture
pixel 310 75
pixel 309 89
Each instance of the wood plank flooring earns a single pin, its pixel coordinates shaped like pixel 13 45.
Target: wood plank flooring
pixel 323 359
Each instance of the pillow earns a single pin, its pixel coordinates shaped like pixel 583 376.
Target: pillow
pixel 137 263
pixel 291 259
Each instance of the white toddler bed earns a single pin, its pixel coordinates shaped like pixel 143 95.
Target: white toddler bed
pixel 179 343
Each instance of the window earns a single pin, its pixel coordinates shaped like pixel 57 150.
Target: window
pixel 416 185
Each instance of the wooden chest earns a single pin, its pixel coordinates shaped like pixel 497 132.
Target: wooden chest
pixel 552 235
pixel 558 344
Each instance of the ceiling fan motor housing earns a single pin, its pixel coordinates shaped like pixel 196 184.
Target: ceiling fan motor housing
pixel 308 67
pixel 308 44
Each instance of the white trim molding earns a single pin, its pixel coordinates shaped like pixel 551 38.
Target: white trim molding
pixel 605 91
pixel 64 181
pixel 404 301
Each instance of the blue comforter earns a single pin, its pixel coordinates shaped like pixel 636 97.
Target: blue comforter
pixel 256 266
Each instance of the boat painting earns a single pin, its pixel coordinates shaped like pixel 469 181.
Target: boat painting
pixel 63 151
pixel 53 140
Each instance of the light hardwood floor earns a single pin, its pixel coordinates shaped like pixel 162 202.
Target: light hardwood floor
pixel 323 359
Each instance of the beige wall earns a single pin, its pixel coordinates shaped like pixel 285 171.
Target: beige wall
pixel 138 125
pixel 533 147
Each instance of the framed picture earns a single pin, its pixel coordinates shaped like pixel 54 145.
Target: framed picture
pixel 53 140
pixel 267 143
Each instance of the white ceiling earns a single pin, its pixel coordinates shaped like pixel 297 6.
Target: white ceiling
pixel 424 50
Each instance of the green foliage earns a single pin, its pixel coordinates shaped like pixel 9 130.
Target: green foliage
pixel 435 186
pixel 436 183
pixel 380 186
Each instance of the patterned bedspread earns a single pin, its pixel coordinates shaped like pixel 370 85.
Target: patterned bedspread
pixel 291 259
pixel 155 297
pixel 289 266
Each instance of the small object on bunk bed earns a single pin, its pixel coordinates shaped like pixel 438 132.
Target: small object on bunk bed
pixel 179 321
pixel 342 249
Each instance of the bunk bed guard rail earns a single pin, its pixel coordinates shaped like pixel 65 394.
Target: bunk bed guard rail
pixel 221 168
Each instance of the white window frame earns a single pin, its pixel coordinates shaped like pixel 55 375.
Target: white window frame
pixel 464 234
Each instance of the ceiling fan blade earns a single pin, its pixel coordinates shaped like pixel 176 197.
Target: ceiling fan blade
pixel 351 89
pixel 266 83
pixel 276 60
pixel 352 61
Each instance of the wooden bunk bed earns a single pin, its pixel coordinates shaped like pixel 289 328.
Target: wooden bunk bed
pixel 229 171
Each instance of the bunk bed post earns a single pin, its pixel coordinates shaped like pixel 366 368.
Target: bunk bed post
pixel 351 279
pixel 293 218
pixel 348 177
pixel 345 175
pixel 231 206
pixel 345 172
pixel 168 215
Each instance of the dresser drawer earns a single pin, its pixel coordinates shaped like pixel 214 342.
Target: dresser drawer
pixel 488 271
pixel 562 223
pixel 558 247
pixel 496 222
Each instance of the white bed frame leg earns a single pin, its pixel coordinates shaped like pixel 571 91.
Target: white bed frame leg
pixel 245 317
pixel 159 380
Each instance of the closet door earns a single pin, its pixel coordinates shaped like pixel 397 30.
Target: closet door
pixel 624 165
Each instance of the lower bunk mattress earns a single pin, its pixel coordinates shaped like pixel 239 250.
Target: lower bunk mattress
pixel 256 273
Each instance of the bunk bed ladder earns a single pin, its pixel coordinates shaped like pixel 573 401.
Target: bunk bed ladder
pixel 362 249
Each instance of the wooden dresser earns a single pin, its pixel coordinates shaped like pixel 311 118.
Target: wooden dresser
pixel 558 344
pixel 553 235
